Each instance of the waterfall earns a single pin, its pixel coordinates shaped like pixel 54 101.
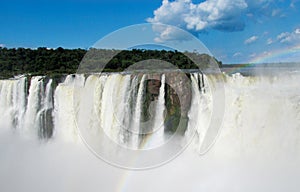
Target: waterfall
pixel 44 115
pixel 36 91
pixel 66 107
pixel 12 102
pixel 113 106
pixel 119 104
pixel 19 101
pixel 135 129
pixel 201 110
pixel 116 102
pixel 38 115
pixel 159 128
pixel 260 133
pixel 122 110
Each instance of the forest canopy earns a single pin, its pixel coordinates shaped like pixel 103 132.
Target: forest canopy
pixel 44 61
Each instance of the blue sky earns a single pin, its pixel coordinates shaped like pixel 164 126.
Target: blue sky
pixel 235 31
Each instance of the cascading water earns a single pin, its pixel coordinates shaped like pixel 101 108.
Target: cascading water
pixel 116 101
pixel 116 104
pixel 38 116
pixel 45 113
pixel 65 108
pixel 200 113
pixel 113 106
pixel 12 102
pixel 257 148
pixel 159 128
pixel 137 114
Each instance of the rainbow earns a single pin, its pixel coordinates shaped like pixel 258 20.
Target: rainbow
pixel 237 67
pixel 123 181
pixel 276 55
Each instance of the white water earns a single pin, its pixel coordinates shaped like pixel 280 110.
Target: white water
pixel 45 118
pixel 258 148
pixel 31 125
pixel 200 112
pixel 12 103
pixel 65 109
pixel 159 128
pixel 137 113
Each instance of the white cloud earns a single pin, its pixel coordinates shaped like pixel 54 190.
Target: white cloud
pixel 276 12
pixel 266 53
pixel 237 54
pixel 217 14
pixel 2 45
pixel 282 35
pixel 252 55
pixel 251 40
pixel 169 33
pixel 270 41
pixel 289 37
pixel 223 15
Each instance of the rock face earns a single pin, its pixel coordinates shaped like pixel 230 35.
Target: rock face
pixel 178 96
pixel 180 92
pixel 177 89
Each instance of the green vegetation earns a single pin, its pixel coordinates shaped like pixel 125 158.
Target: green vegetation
pixel 40 61
pixel 53 62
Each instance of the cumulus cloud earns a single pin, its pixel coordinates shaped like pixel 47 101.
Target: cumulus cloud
pixel 270 41
pixel 251 40
pixel 289 37
pixel 169 33
pixel 222 15
pixel 2 45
